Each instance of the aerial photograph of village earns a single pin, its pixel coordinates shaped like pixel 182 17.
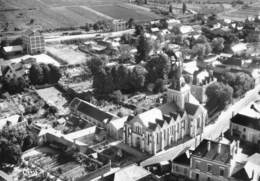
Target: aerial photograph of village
pixel 129 90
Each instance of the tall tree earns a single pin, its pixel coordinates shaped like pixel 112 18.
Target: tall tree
pixel 184 8
pixel 218 44
pixel 55 73
pixel 36 75
pixel 143 49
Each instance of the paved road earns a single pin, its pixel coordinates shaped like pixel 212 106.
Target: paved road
pixel 88 36
pixel 211 131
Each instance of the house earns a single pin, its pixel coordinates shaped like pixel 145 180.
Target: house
pixel 250 171
pixel 90 113
pixel 115 127
pixel 201 80
pixel 131 173
pixel 185 29
pixel 181 164
pixel 11 120
pixel 14 71
pixel 119 25
pixel 213 161
pixel 33 42
pixel 239 48
pixel 246 127
pixel 9 51
pixel 156 129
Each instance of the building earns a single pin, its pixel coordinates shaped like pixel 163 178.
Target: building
pixel 201 80
pixel 10 51
pixel 88 112
pixel 14 71
pixel 119 25
pixel 33 42
pixel 245 127
pixel 115 128
pixel 213 161
pixel 154 130
pixel 239 48
pixel 131 173
pixel 250 171
pixel 181 165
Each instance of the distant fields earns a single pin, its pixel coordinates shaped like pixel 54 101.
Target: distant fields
pixel 51 14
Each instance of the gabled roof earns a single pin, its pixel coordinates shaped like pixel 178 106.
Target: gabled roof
pixel 9 49
pixel 241 175
pixel 202 151
pixel 246 121
pixel 191 109
pixel 129 173
pixel 90 110
pixel 182 159
pixel 150 116
pixel 119 123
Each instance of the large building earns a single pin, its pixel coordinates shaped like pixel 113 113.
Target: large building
pixel 245 128
pixel 154 130
pixel 213 161
pixel 33 42
pixel 119 25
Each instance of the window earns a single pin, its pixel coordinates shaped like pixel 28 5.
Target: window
pixel 197 176
pixel 209 168
pixel 185 171
pixel 244 129
pixel 196 164
pixel 164 132
pixel 208 179
pixel 157 138
pixel 221 172
pixel 177 168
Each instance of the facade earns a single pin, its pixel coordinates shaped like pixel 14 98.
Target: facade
pixel 88 112
pixel 213 161
pixel 181 165
pixel 115 128
pixel 154 130
pixel 246 128
pixel 119 25
pixel 33 42
pixel 10 51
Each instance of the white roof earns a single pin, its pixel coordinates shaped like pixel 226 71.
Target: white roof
pixel 173 21
pixel 202 75
pixel 13 119
pixel 119 123
pixel 227 21
pixel 41 58
pixel 155 29
pixel 239 47
pixel 16 48
pixel 131 173
pixel 252 166
pixel 186 29
pixel 150 116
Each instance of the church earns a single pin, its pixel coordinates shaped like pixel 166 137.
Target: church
pixel 167 125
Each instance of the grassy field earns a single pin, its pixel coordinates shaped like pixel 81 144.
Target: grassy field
pixel 243 13
pixel 49 14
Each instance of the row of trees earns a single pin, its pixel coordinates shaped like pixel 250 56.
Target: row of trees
pixel 44 74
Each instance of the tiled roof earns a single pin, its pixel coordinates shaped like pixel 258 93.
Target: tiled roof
pixel 213 155
pixel 90 110
pixel 246 121
pixel 191 109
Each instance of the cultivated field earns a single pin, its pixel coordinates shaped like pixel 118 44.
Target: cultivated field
pixel 49 14
pixel 67 53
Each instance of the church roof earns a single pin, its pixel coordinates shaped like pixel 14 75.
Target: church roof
pixel 191 109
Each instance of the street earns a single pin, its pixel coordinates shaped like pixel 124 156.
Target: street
pixel 87 36
pixel 211 131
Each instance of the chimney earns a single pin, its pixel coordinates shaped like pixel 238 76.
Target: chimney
pixel 219 148
pixel 209 146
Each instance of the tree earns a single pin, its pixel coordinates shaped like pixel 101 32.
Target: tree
pixel 143 49
pixel 184 8
pixel 55 74
pixel 97 64
pixel 218 44
pixel 218 95
pixel 240 82
pixel 139 30
pixel 160 86
pixel 117 96
pixel 36 75
pixel 131 23
pixel 46 73
pixel 170 8
pixel 138 77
